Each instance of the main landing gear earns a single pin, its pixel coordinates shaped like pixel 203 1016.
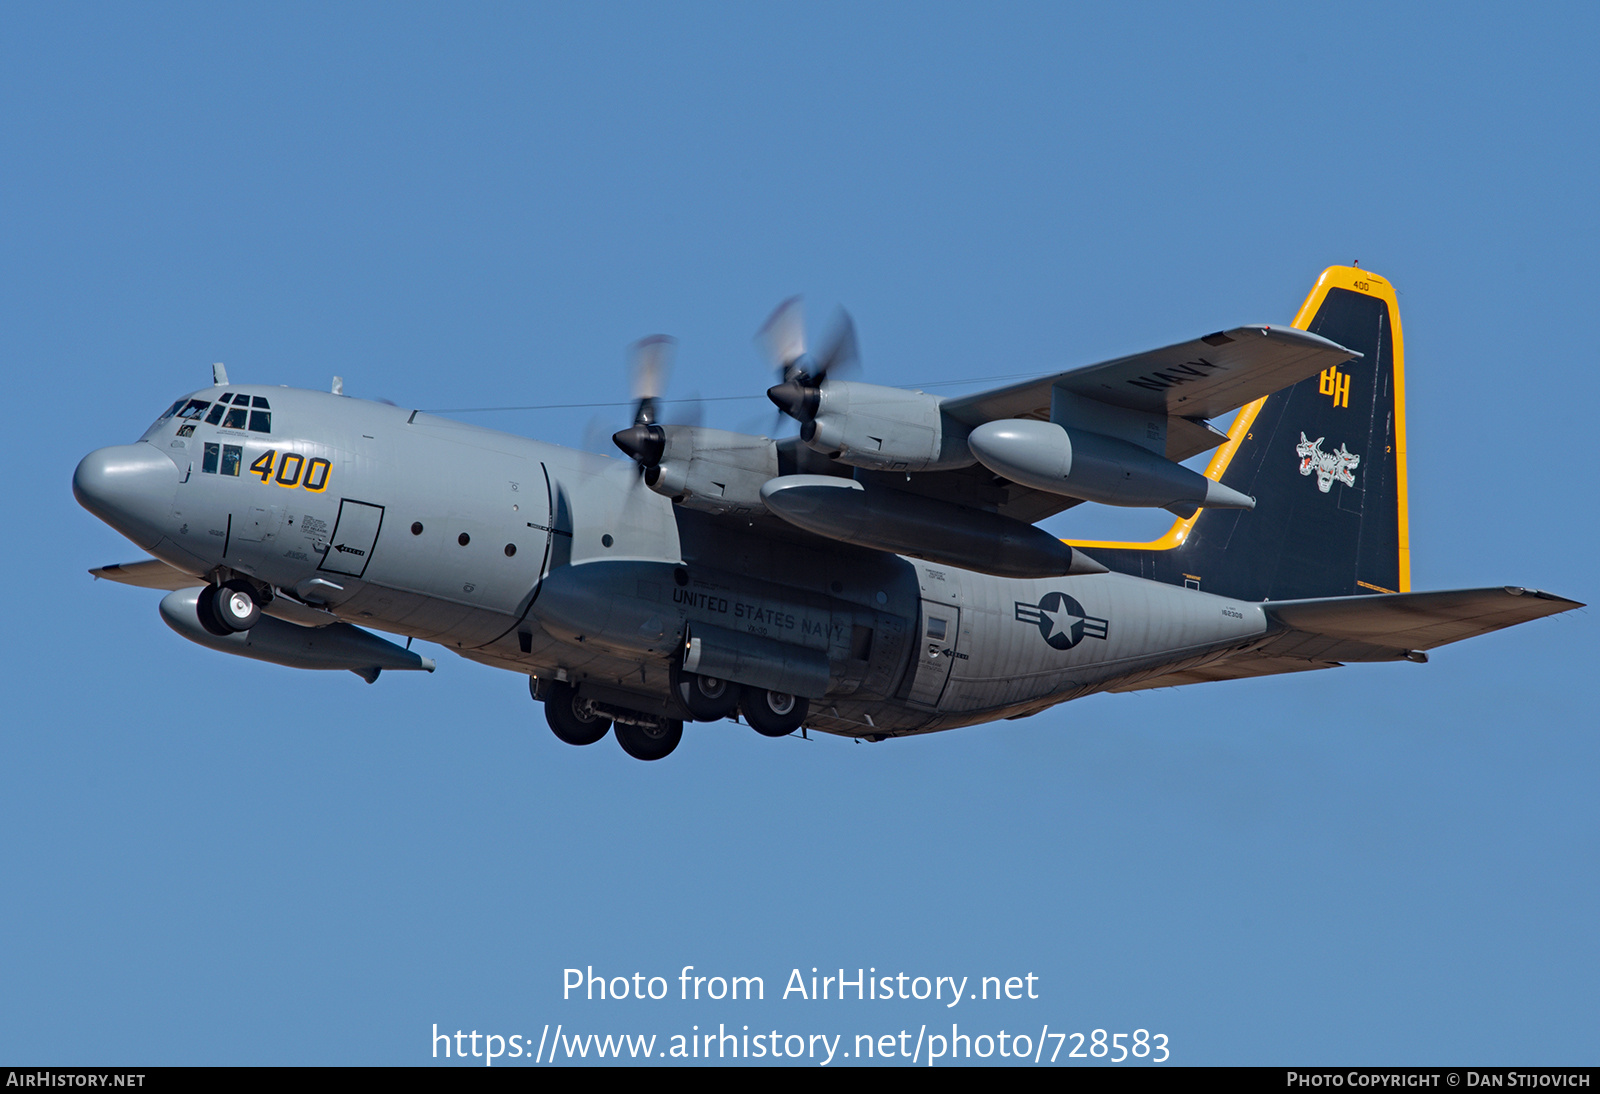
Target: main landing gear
pixel 708 699
pixel 772 713
pixel 580 721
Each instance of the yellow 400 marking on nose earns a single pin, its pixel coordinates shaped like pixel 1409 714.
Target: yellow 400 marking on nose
pixel 293 470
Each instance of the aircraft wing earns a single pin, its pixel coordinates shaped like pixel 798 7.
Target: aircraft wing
pixel 1324 632
pixel 148 573
pixel 1189 382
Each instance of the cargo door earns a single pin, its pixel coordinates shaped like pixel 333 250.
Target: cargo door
pixel 937 633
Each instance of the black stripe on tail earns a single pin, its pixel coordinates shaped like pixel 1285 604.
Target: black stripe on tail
pixel 1325 461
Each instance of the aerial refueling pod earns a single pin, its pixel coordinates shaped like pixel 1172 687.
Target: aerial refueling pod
pixel 910 524
pixel 335 646
pixel 1079 464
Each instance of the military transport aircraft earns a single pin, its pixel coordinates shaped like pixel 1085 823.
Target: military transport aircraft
pixel 880 575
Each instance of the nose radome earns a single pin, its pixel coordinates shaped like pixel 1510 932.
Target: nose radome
pixel 130 487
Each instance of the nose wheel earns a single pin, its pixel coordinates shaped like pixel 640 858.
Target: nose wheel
pixel 228 608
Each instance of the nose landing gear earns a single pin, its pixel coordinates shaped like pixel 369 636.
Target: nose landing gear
pixel 228 608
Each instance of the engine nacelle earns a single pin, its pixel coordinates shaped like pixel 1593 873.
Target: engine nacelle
pixel 335 646
pixel 713 470
pixel 1079 464
pixel 885 428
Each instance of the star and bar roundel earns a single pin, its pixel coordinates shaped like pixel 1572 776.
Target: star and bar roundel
pixel 1062 621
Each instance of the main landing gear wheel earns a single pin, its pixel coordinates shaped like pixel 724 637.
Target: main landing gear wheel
pixel 650 742
pixel 706 698
pixel 573 719
pixel 231 606
pixel 773 713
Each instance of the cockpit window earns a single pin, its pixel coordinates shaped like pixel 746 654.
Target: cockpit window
pixel 260 420
pixel 260 404
pixel 195 409
pixel 216 414
pixel 171 410
pixel 236 418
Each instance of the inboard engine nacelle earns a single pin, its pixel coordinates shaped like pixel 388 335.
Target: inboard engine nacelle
pixel 1080 464
pixel 882 428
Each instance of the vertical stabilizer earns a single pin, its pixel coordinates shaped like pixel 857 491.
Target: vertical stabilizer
pixel 1325 461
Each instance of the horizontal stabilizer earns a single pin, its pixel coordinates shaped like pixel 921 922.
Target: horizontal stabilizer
pixel 1386 626
pixel 1322 633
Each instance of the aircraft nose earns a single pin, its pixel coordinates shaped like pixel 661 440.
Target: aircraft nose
pixel 130 487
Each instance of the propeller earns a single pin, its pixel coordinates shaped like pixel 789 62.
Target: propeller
pixel 650 362
pixel 801 375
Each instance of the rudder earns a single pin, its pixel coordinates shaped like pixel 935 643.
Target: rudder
pixel 1324 459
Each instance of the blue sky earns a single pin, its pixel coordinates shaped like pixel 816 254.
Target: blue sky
pixel 210 860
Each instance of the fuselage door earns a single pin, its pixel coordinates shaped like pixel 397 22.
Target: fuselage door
pixel 937 633
pixel 354 536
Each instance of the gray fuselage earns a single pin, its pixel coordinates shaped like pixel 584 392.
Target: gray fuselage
pixel 560 564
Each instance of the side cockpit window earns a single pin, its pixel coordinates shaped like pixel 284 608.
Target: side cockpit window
pixel 194 410
pixel 228 455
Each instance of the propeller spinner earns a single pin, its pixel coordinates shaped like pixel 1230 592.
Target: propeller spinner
pixel 801 375
pixel 645 441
